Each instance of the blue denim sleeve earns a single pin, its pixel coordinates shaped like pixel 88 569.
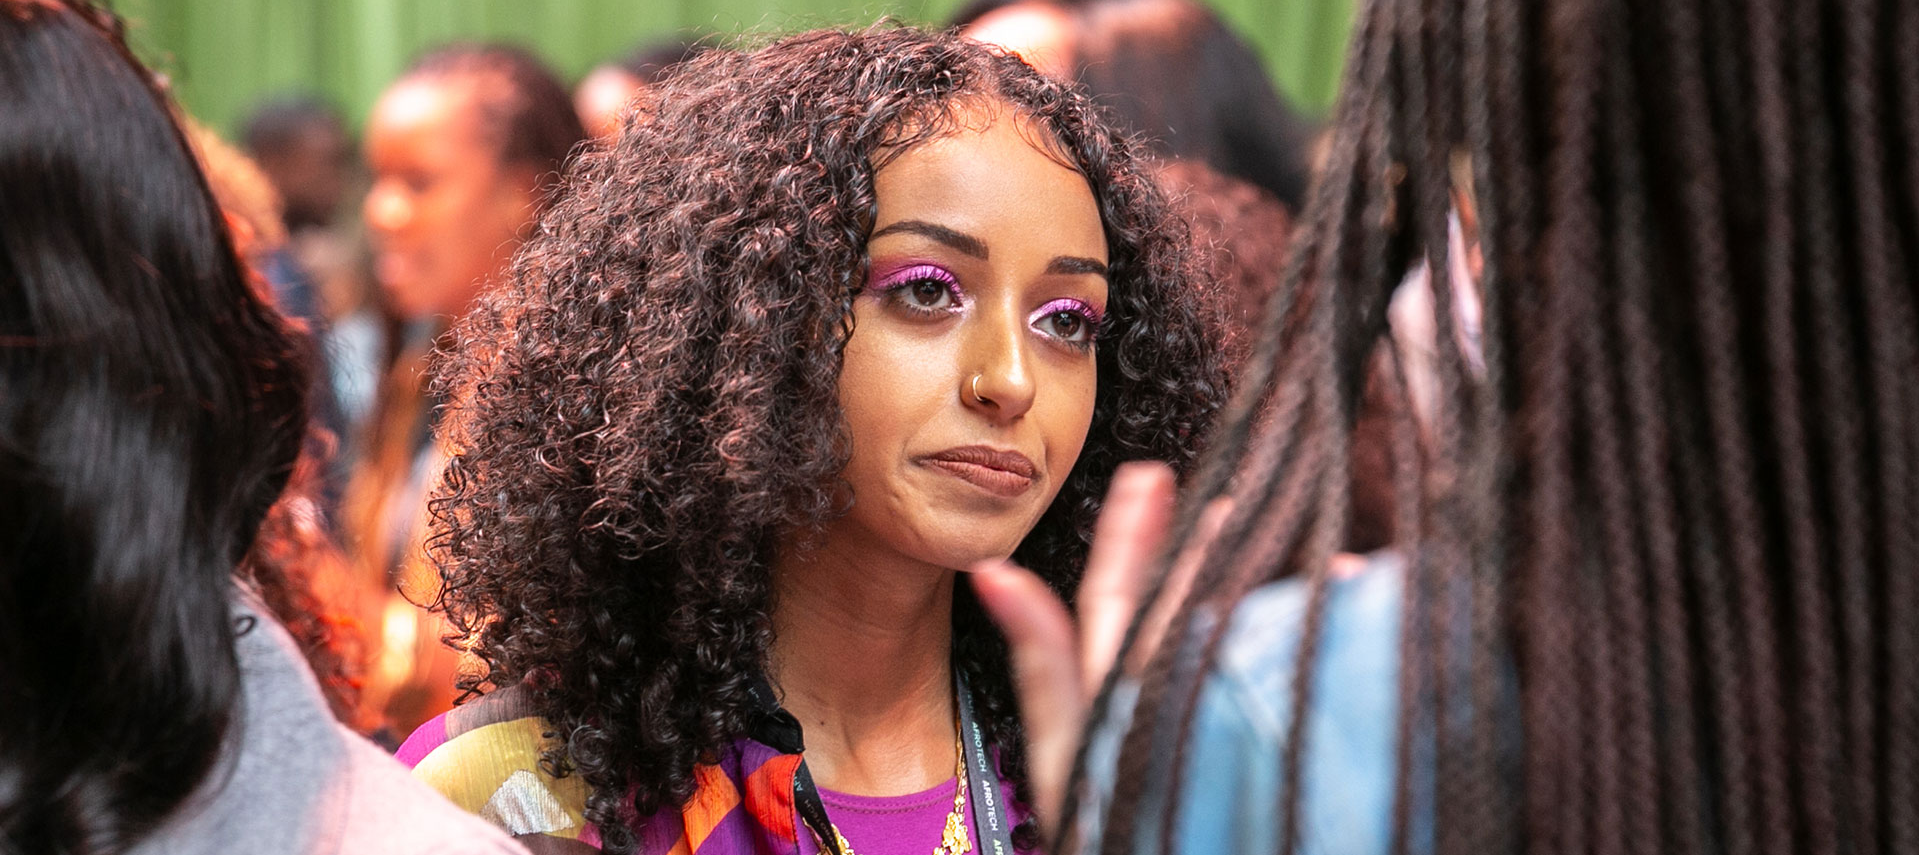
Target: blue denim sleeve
pixel 1231 798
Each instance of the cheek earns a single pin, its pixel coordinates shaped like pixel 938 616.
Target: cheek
pixel 435 215
pixel 512 207
pixel 478 227
pixel 887 380
pixel 1067 413
pixel 860 403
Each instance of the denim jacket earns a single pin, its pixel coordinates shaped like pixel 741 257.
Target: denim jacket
pixel 1231 793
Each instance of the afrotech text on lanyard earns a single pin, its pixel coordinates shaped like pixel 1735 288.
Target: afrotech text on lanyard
pixel 779 730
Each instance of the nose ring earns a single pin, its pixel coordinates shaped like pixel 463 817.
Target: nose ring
pixel 976 395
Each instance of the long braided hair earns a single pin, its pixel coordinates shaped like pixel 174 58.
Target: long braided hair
pixel 1675 512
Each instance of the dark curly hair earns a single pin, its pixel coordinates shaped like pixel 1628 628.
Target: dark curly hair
pixel 652 400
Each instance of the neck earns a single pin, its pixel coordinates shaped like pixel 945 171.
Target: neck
pixel 862 656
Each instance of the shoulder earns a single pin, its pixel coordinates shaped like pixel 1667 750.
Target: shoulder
pixel 293 779
pixel 1359 644
pixel 389 812
pixel 1247 706
pixel 1232 775
pixel 485 758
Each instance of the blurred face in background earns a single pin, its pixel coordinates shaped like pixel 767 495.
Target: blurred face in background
pixel 602 97
pixel 311 174
pixel 1041 33
pixel 445 214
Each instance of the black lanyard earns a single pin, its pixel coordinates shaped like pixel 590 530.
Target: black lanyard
pixel 779 730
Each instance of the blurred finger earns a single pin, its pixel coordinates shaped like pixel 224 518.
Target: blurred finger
pixel 1039 631
pixel 1130 532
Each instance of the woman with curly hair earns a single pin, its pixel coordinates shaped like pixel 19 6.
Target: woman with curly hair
pixel 831 321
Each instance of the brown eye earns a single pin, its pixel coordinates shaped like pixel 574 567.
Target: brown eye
pixel 929 294
pixel 1067 325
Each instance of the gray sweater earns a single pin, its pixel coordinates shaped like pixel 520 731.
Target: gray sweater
pixel 294 780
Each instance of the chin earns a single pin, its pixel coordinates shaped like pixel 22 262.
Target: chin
pixel 975 537
pixel 962 552
pixel 944 533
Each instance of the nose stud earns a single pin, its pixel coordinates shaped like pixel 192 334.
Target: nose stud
pixel 976 395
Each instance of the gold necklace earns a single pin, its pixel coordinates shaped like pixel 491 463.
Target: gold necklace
pixel 954 840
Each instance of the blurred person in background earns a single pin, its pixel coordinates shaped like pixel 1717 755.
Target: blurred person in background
pixel 253 211
pixel 305 150
pixel 303 146
pixel 152 410
pixel 1242 233
pixel 604 96
pixel 463 149
pixel 1042 32
pixel 1174 72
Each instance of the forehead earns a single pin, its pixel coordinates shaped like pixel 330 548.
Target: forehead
pixel 996 170
pixel 1041 33
pixel 442 112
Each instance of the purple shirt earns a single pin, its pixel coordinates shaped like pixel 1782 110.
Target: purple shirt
pixel 913 824
pixel 742 803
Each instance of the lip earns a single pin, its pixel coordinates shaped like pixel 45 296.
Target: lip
pixel 1002 473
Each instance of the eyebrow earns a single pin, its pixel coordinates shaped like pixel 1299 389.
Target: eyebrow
pixel 972 246
pixel 958 240
pixel 1073 264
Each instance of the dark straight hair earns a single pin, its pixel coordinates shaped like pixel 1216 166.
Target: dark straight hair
pixel 151 408
pixel 1677 514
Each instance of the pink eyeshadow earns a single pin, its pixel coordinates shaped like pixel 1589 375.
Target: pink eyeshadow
pixel 1067 304
pixel 896 275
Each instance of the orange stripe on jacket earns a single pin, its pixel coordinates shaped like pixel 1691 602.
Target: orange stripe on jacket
pixel 769 795
pixel 713 798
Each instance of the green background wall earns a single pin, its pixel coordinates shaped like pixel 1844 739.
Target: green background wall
pixel 224 56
